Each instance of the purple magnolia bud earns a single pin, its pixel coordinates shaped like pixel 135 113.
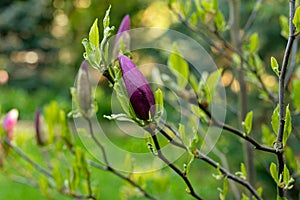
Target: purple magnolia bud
pixel 138 89
pixel 9 122
pixel 124 26
pixel 84 93
pixel 41 137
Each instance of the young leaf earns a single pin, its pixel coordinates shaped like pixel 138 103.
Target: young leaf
pixel 275 119
pixel 224 189
pixel 268 137
pixel 244 171
pixel 159 100
pixel 248 122
pixel 179 67
pixel 284 23
pixel 245 197
pixel 273 171
pixel 181 131
pixel 211 83
pixel 275 66
pixel 253 42
pixel 94 34
pixel 286 175
pixel 106 19
pixel 296 19
pixel 290 158
pixel 287 125
pixel 220 21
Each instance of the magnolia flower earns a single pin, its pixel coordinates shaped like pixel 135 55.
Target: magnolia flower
pixel 9 122
pixel 41 137
pixel 84 93
pixel 139 91
pixel 122 35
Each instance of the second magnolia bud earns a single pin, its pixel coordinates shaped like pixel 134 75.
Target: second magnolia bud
pixel 83 88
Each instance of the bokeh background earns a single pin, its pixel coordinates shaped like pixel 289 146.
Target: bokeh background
pixel 41 51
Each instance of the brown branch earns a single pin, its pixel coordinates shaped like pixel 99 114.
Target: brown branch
pixel 279 144
pixel 172 166
pixel 225 172
pixel 109 168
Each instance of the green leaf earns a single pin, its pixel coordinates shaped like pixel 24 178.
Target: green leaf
pixel 287 125
pixel 189 162
pixel 225 188
pixel 57 177
pixel 200 12
pixel 284 23
pixel 94 34
pixel 274 172
pixel 296 94
pixel 211 84
pixel 179 67
pixel 215 5
pixel 159 101
pixel 275 119
pixel 296 19
pixel 244 171
pixel 290 158
pixel 248 122
pixel 181 131
pixel 268 137
pixel 253 42
pixel 106 19
pixel 286 175
pixel 275 66
pixel 245 197
pixel 220 21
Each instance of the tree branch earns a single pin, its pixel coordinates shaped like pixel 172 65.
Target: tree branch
pixel 279 144
pixel 225 172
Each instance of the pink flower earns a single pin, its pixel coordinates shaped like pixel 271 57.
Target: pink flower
pixel 9 122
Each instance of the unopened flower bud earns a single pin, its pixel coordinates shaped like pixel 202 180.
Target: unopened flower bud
pixel 41 135
pixel 122 35
pixel 9 122
pixel 139 91
pixel 84 93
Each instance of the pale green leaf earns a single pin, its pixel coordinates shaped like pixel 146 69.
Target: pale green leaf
pixel 287 125
pixel 106 19
pixel 245 197
pixel 219 21
pixel 211 84
pixel 159 101
pixel 225 188
pixel 253 42
pixel 275 119
pixel 274 172
pixel 286 175
pixel 248 122
pixel 243 170
pixel 274 65
pixel 94 34
pixel 284 23
pixel 179 67
pixel 296 19
pixel 268 137
pixel 181 131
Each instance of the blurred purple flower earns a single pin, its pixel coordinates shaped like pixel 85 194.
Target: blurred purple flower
pixel 84 93
pixel 41 137
pixel 9 122
pixel 138 89
pixel 124 26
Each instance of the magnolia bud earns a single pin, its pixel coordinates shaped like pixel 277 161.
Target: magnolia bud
pixel 84 93
pixel 139 91
pixel 41 136
pixel 9 122
pixel 122 35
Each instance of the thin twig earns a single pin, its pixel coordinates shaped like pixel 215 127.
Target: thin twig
pixel 109 168
pixel 27 159
pixel 283 71
pixel 225 172
pixel 127 179
pixel 172 166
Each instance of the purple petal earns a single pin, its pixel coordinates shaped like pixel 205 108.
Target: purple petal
pixel 138 89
